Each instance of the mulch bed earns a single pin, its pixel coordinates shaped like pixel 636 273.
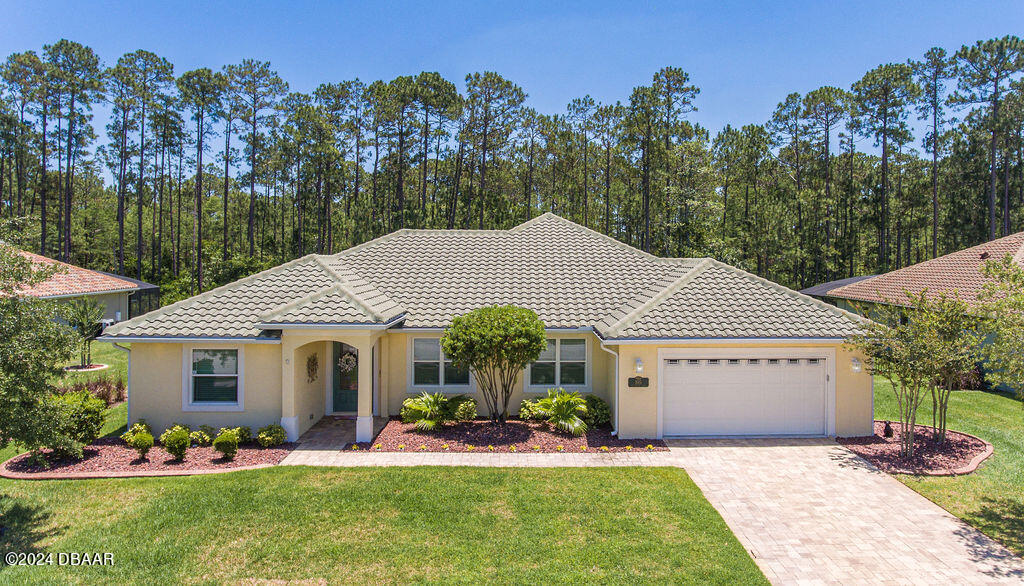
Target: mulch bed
pixel 110 456
pixel 960 454
pixel 514 436
pixel 88 368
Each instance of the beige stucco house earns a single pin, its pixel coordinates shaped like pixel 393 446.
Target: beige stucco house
pixel 677 346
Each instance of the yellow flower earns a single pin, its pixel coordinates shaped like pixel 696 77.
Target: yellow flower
pixel 423 446
pixel 583 448
pixel 491 448
pixel 650 447
pixel 470 448
pixel 377 447
pixel 401 446
pixel 512 448
pixel 604 448
pixel 444 446
pixel 559 448
pixel 355 446
pixel 536 447
pixel 629 448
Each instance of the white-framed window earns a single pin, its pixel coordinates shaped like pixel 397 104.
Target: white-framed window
pixel 564 363
pixel 431 368
pixel 212 378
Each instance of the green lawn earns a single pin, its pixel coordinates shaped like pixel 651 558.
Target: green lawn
pixel 102 353
pixel 992 498
pixel 615 525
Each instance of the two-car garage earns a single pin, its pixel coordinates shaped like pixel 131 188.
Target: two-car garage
pixel 751 393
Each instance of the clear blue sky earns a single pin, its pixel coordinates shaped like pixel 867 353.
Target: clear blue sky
pixel 746 56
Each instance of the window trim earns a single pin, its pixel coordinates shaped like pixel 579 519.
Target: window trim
pixel 187 404
pixel 588 362
pixel 411 388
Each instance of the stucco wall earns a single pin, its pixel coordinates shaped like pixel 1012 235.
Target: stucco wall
pixel 397 386
pixel 638 408
pixel 156 387
pixel 310 395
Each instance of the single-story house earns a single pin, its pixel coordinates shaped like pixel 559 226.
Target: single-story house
pixel 111 291
pixel 957 274
pixel 677 346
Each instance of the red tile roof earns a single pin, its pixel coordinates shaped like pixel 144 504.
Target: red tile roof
pixel 74 280
pixel 958 273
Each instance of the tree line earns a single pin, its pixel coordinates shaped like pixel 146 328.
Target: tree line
pixel 212 174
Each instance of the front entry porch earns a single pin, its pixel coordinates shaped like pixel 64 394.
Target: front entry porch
pixel 334 433
pixel 330 385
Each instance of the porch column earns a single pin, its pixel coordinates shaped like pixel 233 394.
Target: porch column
pixel 289 419
pixel 364 408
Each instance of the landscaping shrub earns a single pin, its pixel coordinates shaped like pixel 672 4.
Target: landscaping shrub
pixel 271 435
pixel 227 443
pixel 528 410
pixel 200 438
pixel 208 430
pixel 176 441
pixel 432 410
pixel 81 419
pixel 243 433
pixel 108 389
pixel 598 412
pixel 564 411
pixel 466 411
pixel 141 442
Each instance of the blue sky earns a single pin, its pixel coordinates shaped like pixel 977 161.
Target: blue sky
pixel 746 56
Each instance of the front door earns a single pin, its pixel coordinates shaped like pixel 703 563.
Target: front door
pixel 346 378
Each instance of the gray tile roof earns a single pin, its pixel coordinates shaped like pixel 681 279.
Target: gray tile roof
pixel 571 276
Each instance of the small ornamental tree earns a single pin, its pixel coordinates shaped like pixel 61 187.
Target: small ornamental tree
pixel 84 315
pixel 954 351
pixel 33 350
pixel 1003 313
pixel 495 343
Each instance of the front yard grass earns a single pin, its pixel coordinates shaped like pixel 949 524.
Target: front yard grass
pixel 378 525
pixel 102 353
pixel 992 498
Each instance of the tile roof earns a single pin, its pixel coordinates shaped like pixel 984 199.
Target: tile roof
pixel 822 289
pixel 571 276
pixel 71 280
pixel 956 274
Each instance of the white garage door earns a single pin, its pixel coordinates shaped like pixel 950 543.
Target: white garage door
pixel 744 396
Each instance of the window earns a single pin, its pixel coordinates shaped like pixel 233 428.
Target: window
pixel 562 364
pixel 430 367
pixel 214 376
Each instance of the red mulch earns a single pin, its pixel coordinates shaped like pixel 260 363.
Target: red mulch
pixel 930 457
pixel 112 455
pixel 526 436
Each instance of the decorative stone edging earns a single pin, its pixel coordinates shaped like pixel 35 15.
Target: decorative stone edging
pixel 7 473
pixel 965 469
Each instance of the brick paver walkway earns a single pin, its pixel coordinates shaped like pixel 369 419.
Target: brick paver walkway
pixel 810 511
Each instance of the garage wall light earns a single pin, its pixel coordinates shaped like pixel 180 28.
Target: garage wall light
pixel 639 366
pixel 855 365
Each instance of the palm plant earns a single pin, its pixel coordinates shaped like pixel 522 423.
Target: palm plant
pixel 84 315
pixel 431 410
pixel 564 411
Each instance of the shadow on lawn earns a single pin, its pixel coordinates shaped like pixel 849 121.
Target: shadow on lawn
pixel 1004 519
pixel 23 527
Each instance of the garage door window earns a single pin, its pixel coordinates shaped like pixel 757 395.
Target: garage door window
pixel 562 364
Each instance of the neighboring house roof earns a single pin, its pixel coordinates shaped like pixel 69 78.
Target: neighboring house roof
pixel 822 289
pixel 72 280
pixel 140 285
pixel 571 276
pixel 956 274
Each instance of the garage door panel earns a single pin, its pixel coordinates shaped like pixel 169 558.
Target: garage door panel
pixel 750 396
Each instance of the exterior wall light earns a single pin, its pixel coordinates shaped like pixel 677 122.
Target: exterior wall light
pixel 855 365
pixel 639 366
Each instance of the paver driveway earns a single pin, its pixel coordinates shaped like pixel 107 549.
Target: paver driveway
pixel 810 511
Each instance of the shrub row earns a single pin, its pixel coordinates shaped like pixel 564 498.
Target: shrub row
pixel 106 388
pixel 567 411
pixel 178 438
pixel 430 411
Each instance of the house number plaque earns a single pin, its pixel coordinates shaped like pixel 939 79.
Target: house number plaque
pixel 639 381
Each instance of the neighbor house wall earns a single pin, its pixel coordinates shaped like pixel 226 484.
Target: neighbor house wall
pixel 113 304
pixel 155 392
pixel 638 406
pixel 396 385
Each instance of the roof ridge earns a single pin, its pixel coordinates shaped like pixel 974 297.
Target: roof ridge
pixel 294 303
pixel 790 292
pixel 592 233
pixel 658 297
pixel 342 284
pixel 114 329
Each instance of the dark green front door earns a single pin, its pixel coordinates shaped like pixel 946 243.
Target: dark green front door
pixel 346 378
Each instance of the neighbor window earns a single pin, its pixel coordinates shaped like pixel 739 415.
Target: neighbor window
pixel 563 363
pixel 430 367
pixel 215 376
